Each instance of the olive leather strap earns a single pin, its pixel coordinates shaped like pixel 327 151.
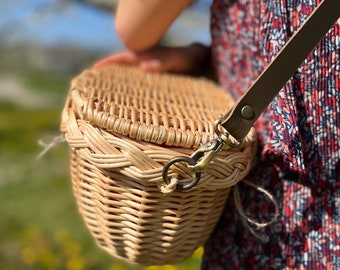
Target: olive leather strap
pixel 241 118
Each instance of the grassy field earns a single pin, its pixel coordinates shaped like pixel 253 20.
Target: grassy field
pixel 40 227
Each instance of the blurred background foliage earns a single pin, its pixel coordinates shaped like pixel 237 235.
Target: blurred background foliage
pixel 43 44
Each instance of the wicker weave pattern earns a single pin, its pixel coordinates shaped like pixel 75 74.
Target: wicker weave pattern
pixel 122 127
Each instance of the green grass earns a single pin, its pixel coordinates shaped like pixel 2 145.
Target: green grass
pixel 53 83
pixel 40 227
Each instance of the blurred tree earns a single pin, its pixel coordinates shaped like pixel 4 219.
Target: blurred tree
pixel 109 5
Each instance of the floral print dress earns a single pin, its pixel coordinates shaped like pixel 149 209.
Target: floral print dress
pixel 298 157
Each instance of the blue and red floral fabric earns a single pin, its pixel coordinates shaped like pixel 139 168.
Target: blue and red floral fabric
pixel 298 158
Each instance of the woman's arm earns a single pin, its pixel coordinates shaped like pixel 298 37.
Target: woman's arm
pixel 141 23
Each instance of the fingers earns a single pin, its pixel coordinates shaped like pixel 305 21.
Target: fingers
pixel 148 61
pixel 153 65
pixel 163 59
pixel 127 57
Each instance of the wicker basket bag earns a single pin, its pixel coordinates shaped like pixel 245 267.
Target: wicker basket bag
pixel 122 127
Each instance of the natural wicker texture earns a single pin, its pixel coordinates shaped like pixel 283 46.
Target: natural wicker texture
pixel 122 126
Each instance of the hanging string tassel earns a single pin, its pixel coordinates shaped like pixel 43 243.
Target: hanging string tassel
pixel 48 146
pixel 252 225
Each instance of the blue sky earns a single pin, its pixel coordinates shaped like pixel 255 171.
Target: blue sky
pixel 50 22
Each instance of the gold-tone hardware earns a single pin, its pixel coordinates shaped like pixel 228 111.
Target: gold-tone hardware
pixel 247 112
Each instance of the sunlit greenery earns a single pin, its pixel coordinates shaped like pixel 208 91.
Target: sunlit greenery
pixel 40 227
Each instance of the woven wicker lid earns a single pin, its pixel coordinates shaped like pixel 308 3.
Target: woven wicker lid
pixel 164 109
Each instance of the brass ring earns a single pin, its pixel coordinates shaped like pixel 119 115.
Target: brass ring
pixel 174 160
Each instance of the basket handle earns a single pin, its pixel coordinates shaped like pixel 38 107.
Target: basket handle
pixel 241 118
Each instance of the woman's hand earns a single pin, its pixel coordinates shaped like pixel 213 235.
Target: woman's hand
pixel 192 59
